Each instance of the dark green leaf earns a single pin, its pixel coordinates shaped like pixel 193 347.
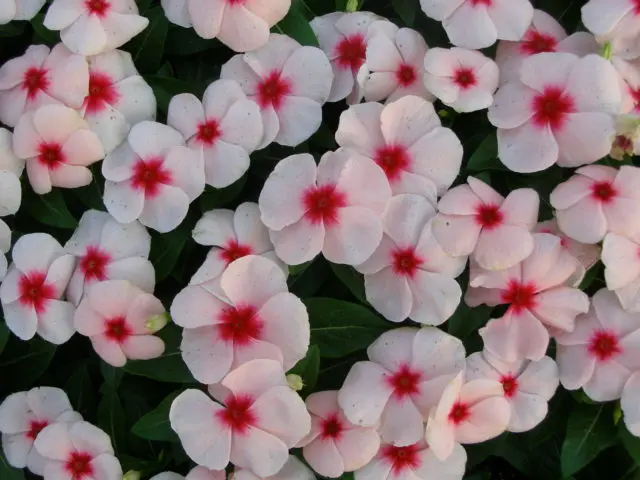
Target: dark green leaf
pixel 49 209
pixel 79 389
pixel 147 48
pixel 4 336
pixel 166 249
pixel 11 29
pixel 111 418
pixel 41 33
pixel 185 41
pixel 486 156
pixel 406 10
pixel 296 25
pixel 7 472
pixel 309 281
pixel 221 197
pixel 155 424
pixel 164 88
pixel 112 375
pixel 467 320
pixel 308 368
pixel 353 280
pixel 30 359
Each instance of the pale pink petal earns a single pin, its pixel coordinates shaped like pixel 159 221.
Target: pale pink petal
pixel 470 27
pixel 259 451
pixel 389 294
pixel 585 138
pixel 354 238
pixel 298 243
pixel 513 337
pixel 364 394
pixel 526 149
pixel 208 357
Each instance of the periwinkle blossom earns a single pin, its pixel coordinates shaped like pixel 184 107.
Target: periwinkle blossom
pixel 19 10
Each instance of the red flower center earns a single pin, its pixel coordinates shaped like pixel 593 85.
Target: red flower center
pixel 406 262
pixel 34 81
pixel 405 381
pixel 509 385
pixel 393 159
pixel 149 175
pixel 332 427
pixel 351 52
pixel 236 2
pixel 240 325
pixel 79 466
pixel 117 329
pixel 488 216
pixel 208 132
pixel 35 292
pixel 536 42
pixel 94 263
pixel 238 416
pixel 465 78
pixel 406 75
pixel 520 296
pixel 636 6
pixel 635 94
pixel 234 251
pixel 459 413
pixel 481 2
pixel 50 155
pixel 97 7
pixel 102 91
pixel 624 143
pixel 603 192
pixel 402 458
pixel 604 345
pixel 35 427
pixel 272 90
pixel 552 107
pixel 322 204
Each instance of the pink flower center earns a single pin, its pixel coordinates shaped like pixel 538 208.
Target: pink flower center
pixel 234 251
pixel 208 132
pixel 459 413
pixel 636 4
pixel 240 325
pixel 393 159
pixel 520 296
pixel 332 427
pixel 406 262
pixel 102 91
pixel 351 52
pixel 149 175
pixel 604 345
pixel 322 204
pixel 464 78
pixel 35 427
pixel 481 2
pixel 97 7
pixel 406 75
pixel 50 155
pixel 236 2
pixel 402 458
pixel 509 385
pixel 272 90
pixel 238 416
pixel 624 143
pixel 94 263
pixel 405 382
pixel 117 329
pixel 603 192
pixel 635 94
pixel 488 216
pixel 34 81
pixel 34 291
pixel 551 108
pixel 78 465
pixel 536 42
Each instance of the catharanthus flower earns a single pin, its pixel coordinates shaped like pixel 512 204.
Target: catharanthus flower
pixel 630 403
pixel 241 25
pixel 58 146
pixel 10 192
pixel 333 207
pixel 242 428
pixel 476 220
pixel 602 352
pixel 197 473
pixel 463 79
pixel 407 371
pixel 19 10
pixel 409 275
pixel 5 246
pixel 294 469
pixel 335 445
pixel 108 250
pixel 256 318
pixel 479 23
pixel 611 20
pixel 527 386
pixel 31 293
pixel 41 77
pixel 539 300
pixel 406 139
pixel 152 177
pixel 77 451
pixel 224 129
pixel 627 140
pixel 470 411
pixel 621 258
pixel 606 196
pixel 91 27
pixel 289 82
pixel 120 320
pixel 23 415
pixel 560 110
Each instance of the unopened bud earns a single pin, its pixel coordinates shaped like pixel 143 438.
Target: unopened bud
pixel 295 382
pixel 444 113
pixel 157 322
pixel 131 475
pixel 607 51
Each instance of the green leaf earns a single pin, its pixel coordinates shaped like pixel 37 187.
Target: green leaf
pixel 28 359
pixel 165 88
pixel 166 249
pixel 112 419
pixel 466 320
pixel 155 424
pixel 7 472
pixel 147 49
pixel 486 156
pixel 340 328
pixel 296 25
pixel 79 389
pixel 185 41
pixel 406 10
pixel 41 33
pixel 112 375
pixel 590 431
pixel 49 209
pixel 221 197
pixel 11 29
pixel 631 442
pixel 308 368
pixel 353 280
pixel 4 336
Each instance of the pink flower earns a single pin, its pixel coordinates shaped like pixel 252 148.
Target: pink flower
pixel 408 370
pixel 602 352
pixel 244 427
pixel 57 146
pixel 91 27
pixel 343 37
pixel 621 258
pixel 224 129
pixel 118 97
pixel 294 469
pixel 415 462
pixel 108 250
pixel 394 63
pixel 5 246
pixel 612 19
pixel 559 111
pixel 120 320
pixel 333 207
pixel 462 79
pixel 152 177
pixel 406 139
pixel 23 415
pixel 335 445
pixel 197 473
pixel 42 77
pixel 606 196
pixel 526 385
pixel 31 293
pixel 76 451
pixel 470 411
pixel 289 82
pixel 476 220
pixel 630 404
pixel 409 275
pixel 257 318
pixel 538 300
pixel 241 25
pixel 628 70
pixel 19 10
pixel 11 168
pixel 479 23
